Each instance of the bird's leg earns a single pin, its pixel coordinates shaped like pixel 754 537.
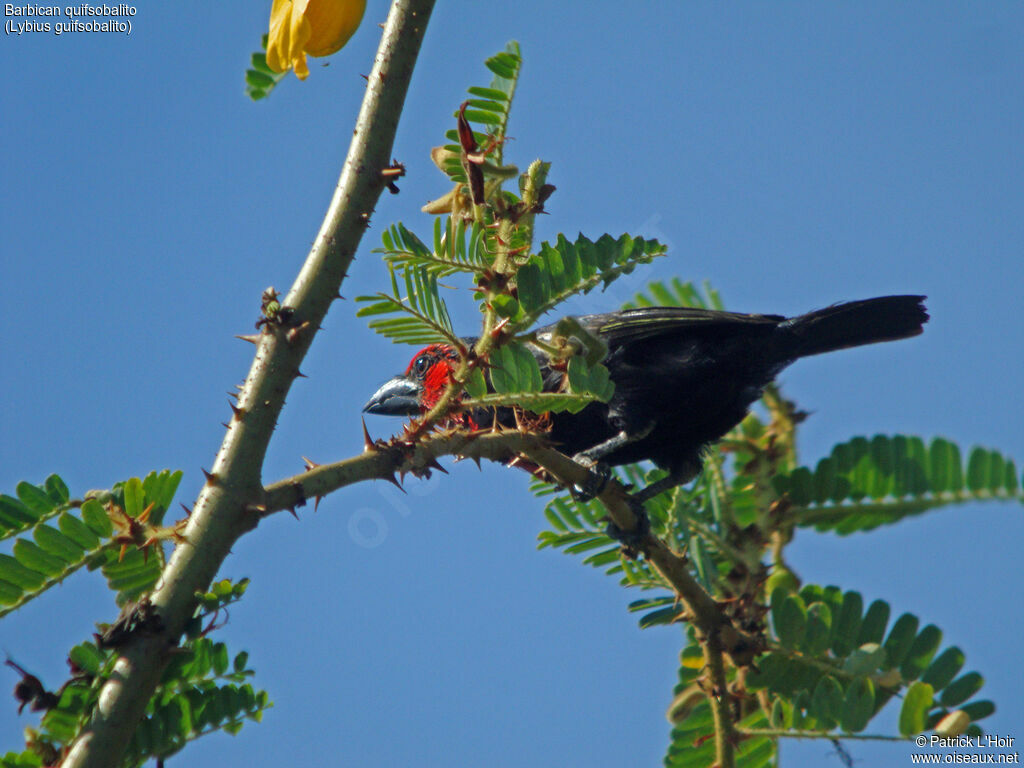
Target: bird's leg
pixel 658 486
pixel 599 471
pixel 677 476
pixel 625 437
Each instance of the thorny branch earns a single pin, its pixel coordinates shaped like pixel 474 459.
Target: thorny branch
pixel 223 511
pixel 384 460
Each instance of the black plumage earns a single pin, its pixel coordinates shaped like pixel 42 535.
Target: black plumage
pixel 683 377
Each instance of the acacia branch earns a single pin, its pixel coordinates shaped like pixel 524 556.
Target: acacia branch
pixel 717 635
pixel 223 511
pixel 382 462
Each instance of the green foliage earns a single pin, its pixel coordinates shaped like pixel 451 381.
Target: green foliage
pixel 68 534
pixel 457 247
pixel 490 243
pixel 516 378
pixel 222 594
pixel 845 685
pixel 119 532
pixel 422 316
pixel 490 107
pixel 691 742
pixel 204 688
pixel 867 483
pixel 558 272
pixel 260 79
pixel 676 294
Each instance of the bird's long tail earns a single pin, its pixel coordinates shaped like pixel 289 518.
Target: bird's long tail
pixel 854 323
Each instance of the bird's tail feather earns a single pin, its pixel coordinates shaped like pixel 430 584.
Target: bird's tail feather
pixel 854 323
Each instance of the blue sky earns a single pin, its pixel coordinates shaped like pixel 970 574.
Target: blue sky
pixel 793 154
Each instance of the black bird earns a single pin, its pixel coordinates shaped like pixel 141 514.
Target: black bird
pixel 683 377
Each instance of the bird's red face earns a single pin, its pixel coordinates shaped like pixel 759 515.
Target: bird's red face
pixel 420 387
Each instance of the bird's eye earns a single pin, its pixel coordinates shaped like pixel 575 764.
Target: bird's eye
pixel 421 364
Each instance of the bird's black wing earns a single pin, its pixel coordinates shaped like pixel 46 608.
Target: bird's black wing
pixel 634 325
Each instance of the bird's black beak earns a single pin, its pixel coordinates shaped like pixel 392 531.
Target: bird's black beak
pixel 398 397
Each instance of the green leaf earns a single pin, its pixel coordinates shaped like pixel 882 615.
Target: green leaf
pixel 531 289
pixel 94 516
pixel 944 668
pixel 14 515
pixel 890 478
pixel 902 634
pixel 949 454
pixel 864 660
pixel 790 621
pixel 921 652
pixel 488 93
pixel 755 753
pixel 977 710
pixel 847 624
pixel 77 531
pixel 134 497
pixel 819 629
pixel 661 616
pixel 17 574
pixel 858 705
pixel 593 380
pixel 676 294
pixel 176 716
pixel 872 629
pixel 782 713
pixel 514 369
pixel 535 402
pixel 505 305
pixel 10 593
pixel 423 315
pixel 87 657
pixel 914 712
pixel 801 486
pixel 476 386
pixel 57 544
pixel 561 270
pixel 135 574
pixel 57 489
pixel 827 702
pixel 219 658
pixel 961 689
pixel 33 557
pixel 35 499
pixel 979 469
pixel 159 489
pixel 260 79
pixel 769 670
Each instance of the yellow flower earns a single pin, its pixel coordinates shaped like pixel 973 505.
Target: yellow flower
pixel 314 27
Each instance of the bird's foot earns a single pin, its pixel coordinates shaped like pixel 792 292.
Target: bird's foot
pixel 633 541
pixel 598 474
